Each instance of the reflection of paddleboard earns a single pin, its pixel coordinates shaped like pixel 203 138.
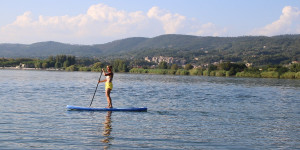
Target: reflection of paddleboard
pixel 69 107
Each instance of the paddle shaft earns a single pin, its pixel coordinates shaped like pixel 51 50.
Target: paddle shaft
pixel 96 89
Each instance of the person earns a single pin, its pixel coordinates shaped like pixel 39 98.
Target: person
pixel 108 84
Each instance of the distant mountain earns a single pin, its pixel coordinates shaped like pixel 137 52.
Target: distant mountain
pixel 205 49
pixel 43 49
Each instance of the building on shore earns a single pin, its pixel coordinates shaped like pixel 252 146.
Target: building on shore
pixel 169 60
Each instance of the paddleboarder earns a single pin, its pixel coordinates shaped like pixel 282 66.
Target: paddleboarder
pixel 108 84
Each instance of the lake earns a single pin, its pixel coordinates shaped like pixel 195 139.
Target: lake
pixel 184 112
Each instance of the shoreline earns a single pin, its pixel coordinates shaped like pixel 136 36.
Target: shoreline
pixel 14 68
pixel 181 72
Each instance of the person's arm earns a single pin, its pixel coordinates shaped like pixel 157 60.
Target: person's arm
pixel 107 74
pixel 104 72
pixel 102 81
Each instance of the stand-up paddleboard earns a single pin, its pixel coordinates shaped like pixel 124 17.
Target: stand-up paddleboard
pixel 69 107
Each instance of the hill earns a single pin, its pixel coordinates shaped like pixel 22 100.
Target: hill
pixel 194 49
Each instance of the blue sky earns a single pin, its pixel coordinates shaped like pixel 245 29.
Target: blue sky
pixel 101 21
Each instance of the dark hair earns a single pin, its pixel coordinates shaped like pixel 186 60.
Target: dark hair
pixel 109 66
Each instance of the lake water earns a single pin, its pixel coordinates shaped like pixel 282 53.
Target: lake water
pixel 184 112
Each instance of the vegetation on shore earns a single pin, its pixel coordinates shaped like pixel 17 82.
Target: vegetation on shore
pixel 63 62
pixel 230 69
pixel 226 69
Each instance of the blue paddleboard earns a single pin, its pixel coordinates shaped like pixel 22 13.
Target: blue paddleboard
pixel 69 107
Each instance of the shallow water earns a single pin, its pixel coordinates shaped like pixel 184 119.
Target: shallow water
pixel 184 112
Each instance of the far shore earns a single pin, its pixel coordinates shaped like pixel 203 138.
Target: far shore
pixel 192 72
pixel 16 68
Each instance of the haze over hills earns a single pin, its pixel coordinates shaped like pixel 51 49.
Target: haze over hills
pixel 257 49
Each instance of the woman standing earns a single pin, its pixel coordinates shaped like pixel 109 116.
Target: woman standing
pixel 108 84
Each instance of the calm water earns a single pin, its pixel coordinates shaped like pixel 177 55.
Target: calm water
pixel 184 112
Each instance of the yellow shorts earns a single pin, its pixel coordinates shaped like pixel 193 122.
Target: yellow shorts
pixel 108 85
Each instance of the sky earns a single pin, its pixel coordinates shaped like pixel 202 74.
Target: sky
pixel 100 21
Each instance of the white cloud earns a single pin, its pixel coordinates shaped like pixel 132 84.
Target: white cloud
pixel 288 23
pixel 171 22
pixel 23 20
pixel 102 23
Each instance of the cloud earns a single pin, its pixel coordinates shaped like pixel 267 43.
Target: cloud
pixel 288 23
pixel 23 20
pixel 102 23
pixel 171 22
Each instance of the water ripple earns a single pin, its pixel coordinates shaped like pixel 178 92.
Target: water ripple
pixel 184 112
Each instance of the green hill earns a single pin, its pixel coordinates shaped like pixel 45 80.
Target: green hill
pixel 194 49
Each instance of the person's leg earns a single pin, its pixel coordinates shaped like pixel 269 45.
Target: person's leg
pixel 108 98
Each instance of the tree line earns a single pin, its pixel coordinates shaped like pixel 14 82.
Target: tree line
pixel 71 63
pixel 65 62
pixel 226 69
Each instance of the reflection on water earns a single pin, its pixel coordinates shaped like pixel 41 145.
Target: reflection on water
pixel 107 128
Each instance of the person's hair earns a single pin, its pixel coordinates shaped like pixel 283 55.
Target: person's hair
pixel 110 67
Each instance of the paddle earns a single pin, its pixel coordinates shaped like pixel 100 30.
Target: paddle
pixel 96 89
